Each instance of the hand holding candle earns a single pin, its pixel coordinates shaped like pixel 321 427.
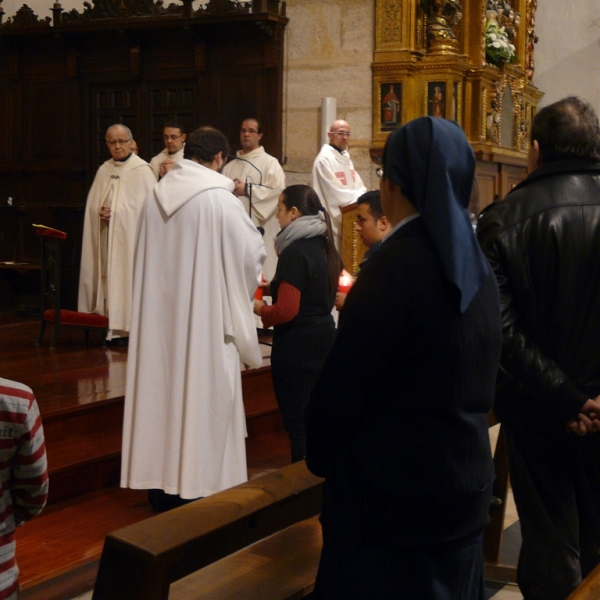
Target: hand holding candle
pixel 260 290
pixel 345 282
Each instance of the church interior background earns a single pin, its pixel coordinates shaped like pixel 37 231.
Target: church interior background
pixel 385 62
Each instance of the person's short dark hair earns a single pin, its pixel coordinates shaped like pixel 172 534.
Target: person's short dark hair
pixel 258 128
pixel 174 125
pixel 204 144
pixel 373 199
pixel 567 129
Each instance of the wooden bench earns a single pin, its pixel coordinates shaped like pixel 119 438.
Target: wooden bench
pixel 589 588
pixel 261 539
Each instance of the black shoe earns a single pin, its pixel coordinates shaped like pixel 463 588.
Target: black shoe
pixel 161 501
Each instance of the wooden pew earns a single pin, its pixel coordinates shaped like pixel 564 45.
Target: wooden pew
pixel 589 588
pixel 141 562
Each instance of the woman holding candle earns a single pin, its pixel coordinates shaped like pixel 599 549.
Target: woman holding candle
pixel 303 292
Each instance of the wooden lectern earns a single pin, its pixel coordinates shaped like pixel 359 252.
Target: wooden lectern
pixel 353 249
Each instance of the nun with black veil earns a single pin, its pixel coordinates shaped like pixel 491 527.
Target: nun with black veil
pixel 396 421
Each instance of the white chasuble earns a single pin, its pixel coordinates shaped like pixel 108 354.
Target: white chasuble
pixel 105 278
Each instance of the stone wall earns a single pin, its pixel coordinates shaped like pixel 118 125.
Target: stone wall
pixel 329 50
pixel 567 52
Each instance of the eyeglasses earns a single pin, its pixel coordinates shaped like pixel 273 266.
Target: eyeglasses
pixel 171 137
pixel 115 142
pixel 341 133
pixel 248 131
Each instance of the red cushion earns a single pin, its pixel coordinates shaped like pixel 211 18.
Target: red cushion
pixel 71 317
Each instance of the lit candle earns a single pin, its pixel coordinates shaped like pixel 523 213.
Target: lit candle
pixel 258 294
pixel 345 282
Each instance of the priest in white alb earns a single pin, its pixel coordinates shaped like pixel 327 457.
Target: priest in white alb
pixel 111 214
pixel 174 140
pixel 334 177
pixel 258 179
pixel 198 263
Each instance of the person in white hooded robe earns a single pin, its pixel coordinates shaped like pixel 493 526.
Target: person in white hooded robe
pixel 197 265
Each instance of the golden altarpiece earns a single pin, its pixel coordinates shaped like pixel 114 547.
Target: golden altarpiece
pixel 467 60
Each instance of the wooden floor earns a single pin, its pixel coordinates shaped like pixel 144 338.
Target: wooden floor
pixel 80 392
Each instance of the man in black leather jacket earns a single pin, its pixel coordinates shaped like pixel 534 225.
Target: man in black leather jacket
pixel 543 243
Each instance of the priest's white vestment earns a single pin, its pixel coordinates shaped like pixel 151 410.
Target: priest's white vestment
pixel 265 174
pixel 105 277
pixel 160 158
pixel 198 261
pixel 337 184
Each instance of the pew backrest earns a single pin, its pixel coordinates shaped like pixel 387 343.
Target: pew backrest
pixel 589 588
pixel 141 561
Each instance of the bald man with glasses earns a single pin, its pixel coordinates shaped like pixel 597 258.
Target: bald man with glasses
pixel 113 206
pixel 334 177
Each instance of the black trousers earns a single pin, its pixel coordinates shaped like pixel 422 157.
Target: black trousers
pixel 448 571
pixel 296 359
pixel 555 478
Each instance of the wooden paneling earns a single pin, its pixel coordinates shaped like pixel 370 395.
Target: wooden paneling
pixel 62 86
pixel 487 178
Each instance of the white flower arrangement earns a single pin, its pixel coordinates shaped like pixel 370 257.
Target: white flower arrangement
pixel 498 48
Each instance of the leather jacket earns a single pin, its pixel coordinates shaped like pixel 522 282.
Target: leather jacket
pixel 543 243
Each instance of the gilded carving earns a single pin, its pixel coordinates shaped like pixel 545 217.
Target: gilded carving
pixel 483 37
pixel 484 113
pixel 458 100
pixel 442 18
pixel 455 60
pixel 531 39
pixel 391 25
pixel 521 123
pixel 354 252
pixel 493 121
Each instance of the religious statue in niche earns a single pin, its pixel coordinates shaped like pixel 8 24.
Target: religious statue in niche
pixel 522 127
pixel 532 39
pixel 493 116
pixel 436 99
pixel 442 16
pixel 391 94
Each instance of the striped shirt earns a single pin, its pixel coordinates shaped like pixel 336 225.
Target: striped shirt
pixel 23 473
